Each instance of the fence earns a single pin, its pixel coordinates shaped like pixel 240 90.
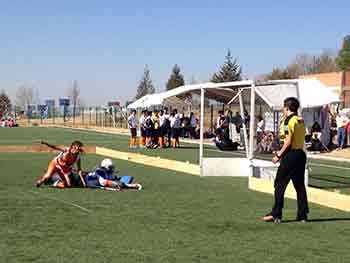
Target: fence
pixel 115 117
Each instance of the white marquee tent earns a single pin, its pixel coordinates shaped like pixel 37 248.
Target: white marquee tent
pixel 310 92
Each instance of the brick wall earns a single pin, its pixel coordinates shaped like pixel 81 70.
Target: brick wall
pixel 347 90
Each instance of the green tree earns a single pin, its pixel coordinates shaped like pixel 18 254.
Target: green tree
pixel 176 79
pixel 146 85
pixel 229 71
pixel 5 104
pixel 343 59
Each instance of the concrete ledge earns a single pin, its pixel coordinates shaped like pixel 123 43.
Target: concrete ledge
pixel 150 161
pixel 317 196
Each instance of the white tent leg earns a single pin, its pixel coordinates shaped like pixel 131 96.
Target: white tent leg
pixel 251 133
pixel 252 122
pixel 201 131
pixel 243 124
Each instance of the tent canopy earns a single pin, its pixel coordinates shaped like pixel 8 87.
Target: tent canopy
pixel 219 91
pixel 310 92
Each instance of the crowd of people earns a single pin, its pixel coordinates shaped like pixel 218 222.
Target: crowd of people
pixel 8 122
pixel 161 128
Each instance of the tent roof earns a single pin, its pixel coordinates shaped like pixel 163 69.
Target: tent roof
pixel 219 91
pixel 311 93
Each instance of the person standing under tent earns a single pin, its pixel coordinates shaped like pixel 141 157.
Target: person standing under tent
pixel 167 127
pixel 155 137
pixel 175 125
pixel 193 125
pixel 149 127
pixel 143 129
pixel 219 121
pixel 162 128
pixel 292 160
pixel 260 128
pixel 341 130
pixel 132 123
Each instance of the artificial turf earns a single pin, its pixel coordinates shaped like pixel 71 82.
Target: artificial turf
pixel 324 174
pixel 176 218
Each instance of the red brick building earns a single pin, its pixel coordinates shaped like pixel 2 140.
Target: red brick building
pixel 346 90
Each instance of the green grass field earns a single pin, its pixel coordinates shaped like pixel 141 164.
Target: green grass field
pixel 177 218
pixel 324 174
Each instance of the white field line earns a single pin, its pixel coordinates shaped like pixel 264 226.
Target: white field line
pixel 63 201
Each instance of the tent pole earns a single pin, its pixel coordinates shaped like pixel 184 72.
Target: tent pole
pixel 252 122
pixel 235 97
pixel 201 131
pixel 243 123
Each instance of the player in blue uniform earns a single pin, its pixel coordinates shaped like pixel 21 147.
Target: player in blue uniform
pixel 103 177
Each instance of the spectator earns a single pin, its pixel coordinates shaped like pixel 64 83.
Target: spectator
pixel 237 121
pixel 341 130
pixel 193 125
pixel 163 127
pixel 260 129
pixel 219 121
pixel 156 126
pixel 175 125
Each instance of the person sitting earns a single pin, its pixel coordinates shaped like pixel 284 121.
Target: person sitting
pixel 223 142
pixel 266 143
pixel 315 140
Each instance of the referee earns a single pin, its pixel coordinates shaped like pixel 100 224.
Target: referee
pixel 292 160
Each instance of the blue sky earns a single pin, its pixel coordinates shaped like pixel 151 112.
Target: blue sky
pixel 104 45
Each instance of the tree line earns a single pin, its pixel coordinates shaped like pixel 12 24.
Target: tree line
pixel 231 70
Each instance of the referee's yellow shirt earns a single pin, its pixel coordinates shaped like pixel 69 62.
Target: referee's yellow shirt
pixel 296 129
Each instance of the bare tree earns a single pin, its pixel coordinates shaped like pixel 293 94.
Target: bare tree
pixel 24 96
pixel 74 97
pixel 304 64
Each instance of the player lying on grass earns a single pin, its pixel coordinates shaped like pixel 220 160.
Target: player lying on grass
pixel 63 164
pixel 103 177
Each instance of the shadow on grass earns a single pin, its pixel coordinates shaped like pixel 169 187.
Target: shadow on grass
pixel 318 220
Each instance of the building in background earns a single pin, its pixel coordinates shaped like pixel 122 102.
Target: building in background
pixel 335 81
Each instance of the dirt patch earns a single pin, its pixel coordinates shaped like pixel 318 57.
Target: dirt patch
pixel 37 149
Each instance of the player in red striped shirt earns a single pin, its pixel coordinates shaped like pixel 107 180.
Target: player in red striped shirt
pixel 63 164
